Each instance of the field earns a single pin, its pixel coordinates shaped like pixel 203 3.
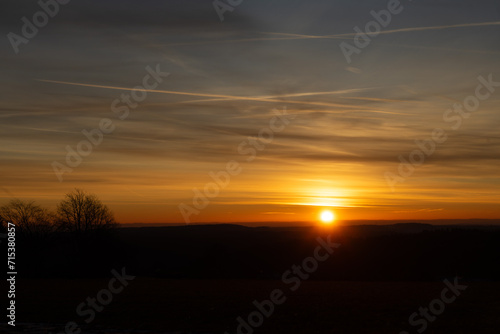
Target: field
pixel 201 279
pixel 212 306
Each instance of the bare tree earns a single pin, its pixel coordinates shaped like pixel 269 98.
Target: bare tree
pixel 30 219
pixel 80 212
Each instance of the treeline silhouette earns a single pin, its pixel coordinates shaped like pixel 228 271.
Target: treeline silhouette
pixel 77 240
pixel 81 239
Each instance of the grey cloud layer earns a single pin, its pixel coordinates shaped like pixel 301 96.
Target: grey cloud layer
pixel 110 43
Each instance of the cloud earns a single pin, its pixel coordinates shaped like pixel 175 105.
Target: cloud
pixel 354 69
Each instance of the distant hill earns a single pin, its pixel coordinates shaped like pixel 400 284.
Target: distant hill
pixel 401 251
pixel 438 222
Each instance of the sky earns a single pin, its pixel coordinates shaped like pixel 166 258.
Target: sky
pixel 344 122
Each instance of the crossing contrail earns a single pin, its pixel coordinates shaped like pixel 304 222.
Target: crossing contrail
pixel 273 99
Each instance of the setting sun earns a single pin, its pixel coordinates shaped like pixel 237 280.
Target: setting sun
pixel 327 217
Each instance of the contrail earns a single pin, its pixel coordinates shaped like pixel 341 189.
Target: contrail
pixel 345 91
pixel 227 97
pixel 464 25
pixel 301 37
pixel 231 41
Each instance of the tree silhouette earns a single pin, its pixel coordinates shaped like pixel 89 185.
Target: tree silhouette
pixel 82 213
pixel 31 220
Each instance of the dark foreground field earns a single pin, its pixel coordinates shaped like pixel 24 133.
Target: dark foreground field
pixel 209 306
pixel 200 279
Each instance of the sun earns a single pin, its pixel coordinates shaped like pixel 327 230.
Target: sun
pixel 327 217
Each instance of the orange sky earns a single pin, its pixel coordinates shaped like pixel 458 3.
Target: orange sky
pixel 347 124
